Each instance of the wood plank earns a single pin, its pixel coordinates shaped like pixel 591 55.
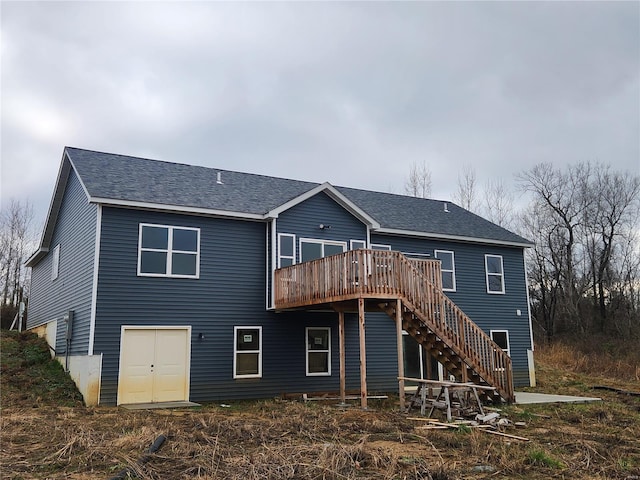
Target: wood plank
pixel 343 368
pixel 363 356
pixel 400 352
pixel 515 437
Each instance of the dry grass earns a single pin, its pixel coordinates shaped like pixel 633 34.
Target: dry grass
pixel 285 440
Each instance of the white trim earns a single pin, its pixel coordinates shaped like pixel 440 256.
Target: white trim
pixel 508 349
pixel 156 327
pixel 169 251
pixel 259 351
pixel 327 351
pixel 335 195
pixel 94 287
pixel 453 270
pixel 381 246
pixel 161 207
pixel 351 242
pixel 291 257
pixel 526 287
pixel 486 274
pixel 321 242
pixel 368 236
pixel 55 262
pixel 274 237
pixel 460 238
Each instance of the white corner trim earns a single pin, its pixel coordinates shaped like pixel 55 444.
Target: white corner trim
pixel 526 287
pixel 94 288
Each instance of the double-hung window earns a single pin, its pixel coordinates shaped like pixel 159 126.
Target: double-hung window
pixel 168 251
pixel 247 352
pixel 286 250
pixel 318 351
pixel 358 244
pixel 495 273
pixel 448 267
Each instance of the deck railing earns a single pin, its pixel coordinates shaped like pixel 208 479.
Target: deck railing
pixel 386 274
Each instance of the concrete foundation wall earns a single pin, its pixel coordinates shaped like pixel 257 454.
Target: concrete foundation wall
pixel 85 371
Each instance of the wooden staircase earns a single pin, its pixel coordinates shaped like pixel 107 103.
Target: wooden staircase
pixel 428 315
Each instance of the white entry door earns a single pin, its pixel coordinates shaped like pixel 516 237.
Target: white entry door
pixel 154 365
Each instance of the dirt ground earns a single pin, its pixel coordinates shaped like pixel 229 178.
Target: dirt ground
pixel 52 436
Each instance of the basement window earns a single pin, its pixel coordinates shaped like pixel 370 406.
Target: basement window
pixel 494 273
pixel 168 251
pixel 318 351
pixel 247 352
pixel 501 338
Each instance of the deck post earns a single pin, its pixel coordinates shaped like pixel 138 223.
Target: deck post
pixel 342 358
pixel 400 355
pixel 363 356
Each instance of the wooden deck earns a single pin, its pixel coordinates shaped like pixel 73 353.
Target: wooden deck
pixel 406 289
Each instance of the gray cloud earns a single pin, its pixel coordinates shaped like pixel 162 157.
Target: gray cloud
pixel 350 93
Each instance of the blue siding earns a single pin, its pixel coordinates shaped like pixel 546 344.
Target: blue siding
pixel 304 219
pixel 230 292
pixel 489 311
pixel 51 299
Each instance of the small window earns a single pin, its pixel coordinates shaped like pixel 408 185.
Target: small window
pixel 448 269
pixel 286 250
pixel 318 351
pixel 501 338
pixel 247 352
pixel 166 251
pixel 495 275
pixel 358 244
pixel 380 246
pixel 55 262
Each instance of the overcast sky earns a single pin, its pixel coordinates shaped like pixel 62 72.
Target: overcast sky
pixel 350 93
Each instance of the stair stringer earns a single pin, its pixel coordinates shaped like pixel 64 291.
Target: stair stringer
pixel 454 359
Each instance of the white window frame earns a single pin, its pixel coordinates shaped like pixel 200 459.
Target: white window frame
pixel 380 246
pixel 169 251
pixel 290 257
pixel 353 244
pixel 237 352
pixel 508 349
pixel 55 262
pixel 487 274
pixel 327 351
pixel 322 243
pixel 452 271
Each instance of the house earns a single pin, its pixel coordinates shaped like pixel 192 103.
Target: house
pixel 158 281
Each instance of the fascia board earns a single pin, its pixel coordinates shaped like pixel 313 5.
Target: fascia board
pixel 54 209
pixel 335 195
pixel 175 208
pixel 457 238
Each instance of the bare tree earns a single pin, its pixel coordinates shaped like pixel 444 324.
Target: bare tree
pixel 15 240
pixel 465 196
pixel 418 184
pixel 498 202
pixel 584 269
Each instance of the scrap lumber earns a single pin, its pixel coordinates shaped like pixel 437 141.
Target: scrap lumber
pixel 515 437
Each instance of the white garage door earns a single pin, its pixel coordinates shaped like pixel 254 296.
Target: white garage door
pixel 154 365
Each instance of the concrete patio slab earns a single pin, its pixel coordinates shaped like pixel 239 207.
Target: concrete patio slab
pixel 524 398
pixel 153 406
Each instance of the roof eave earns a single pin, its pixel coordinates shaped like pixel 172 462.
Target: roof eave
pixel 175 208
pixel 457 238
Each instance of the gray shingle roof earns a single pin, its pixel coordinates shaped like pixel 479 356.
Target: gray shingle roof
pixel 132 179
